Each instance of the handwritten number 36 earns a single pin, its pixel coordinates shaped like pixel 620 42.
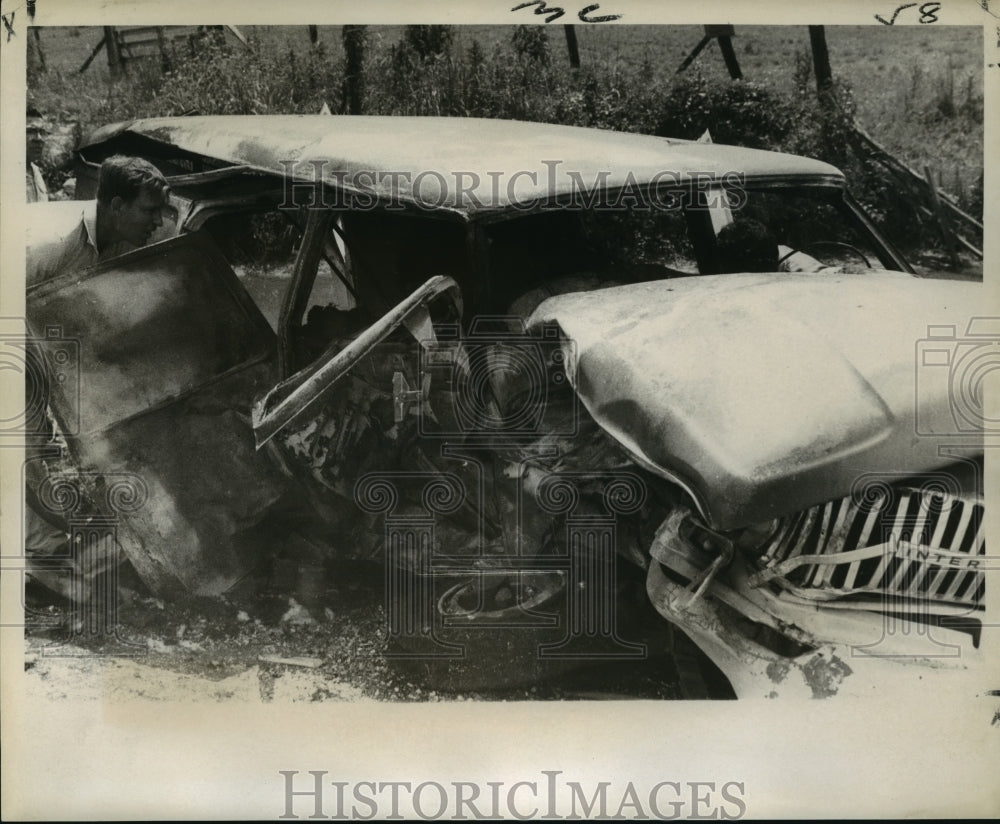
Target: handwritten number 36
pixel 554 12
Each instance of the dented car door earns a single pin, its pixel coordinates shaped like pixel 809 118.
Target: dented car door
pixel 171 353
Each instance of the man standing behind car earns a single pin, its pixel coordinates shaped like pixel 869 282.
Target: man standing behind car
pixel 131 196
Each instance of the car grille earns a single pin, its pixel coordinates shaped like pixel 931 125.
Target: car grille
pixel 899 544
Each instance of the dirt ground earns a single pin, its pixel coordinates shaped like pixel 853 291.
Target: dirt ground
pixel 328 644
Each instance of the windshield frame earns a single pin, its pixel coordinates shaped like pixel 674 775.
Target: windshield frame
pixel 888 255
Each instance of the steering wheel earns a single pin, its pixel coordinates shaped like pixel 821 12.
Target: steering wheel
pixel 830 244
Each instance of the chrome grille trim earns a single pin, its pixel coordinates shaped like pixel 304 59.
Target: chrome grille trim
pixel 928 539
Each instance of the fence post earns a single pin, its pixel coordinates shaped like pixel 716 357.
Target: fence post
pixel 93 53
pixel 724 34
pixel 574 51
pixel 821 61
pixel 35 52
pixel 729 53
pixel 114 54
pixel 354 58
pixel 947 235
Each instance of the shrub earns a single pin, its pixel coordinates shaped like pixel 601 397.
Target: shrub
pixel 742 113
pixel 531 43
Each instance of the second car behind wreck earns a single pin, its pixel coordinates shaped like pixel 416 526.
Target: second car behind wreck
pixel 469 382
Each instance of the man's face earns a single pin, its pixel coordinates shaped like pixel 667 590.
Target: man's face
pixel 137 219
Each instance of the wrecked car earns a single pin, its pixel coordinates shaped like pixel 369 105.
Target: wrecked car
pixel 500 357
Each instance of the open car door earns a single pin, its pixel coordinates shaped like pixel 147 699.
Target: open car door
pixel 172 351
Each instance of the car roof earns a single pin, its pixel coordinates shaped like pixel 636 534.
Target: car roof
pixel 469 166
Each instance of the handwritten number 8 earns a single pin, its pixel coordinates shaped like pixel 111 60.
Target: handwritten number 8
pixel 928 12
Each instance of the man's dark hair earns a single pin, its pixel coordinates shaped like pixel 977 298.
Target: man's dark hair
pixel 746 246
pixel 126 177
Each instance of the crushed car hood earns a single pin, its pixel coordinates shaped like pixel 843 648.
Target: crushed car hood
pixel 762 394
